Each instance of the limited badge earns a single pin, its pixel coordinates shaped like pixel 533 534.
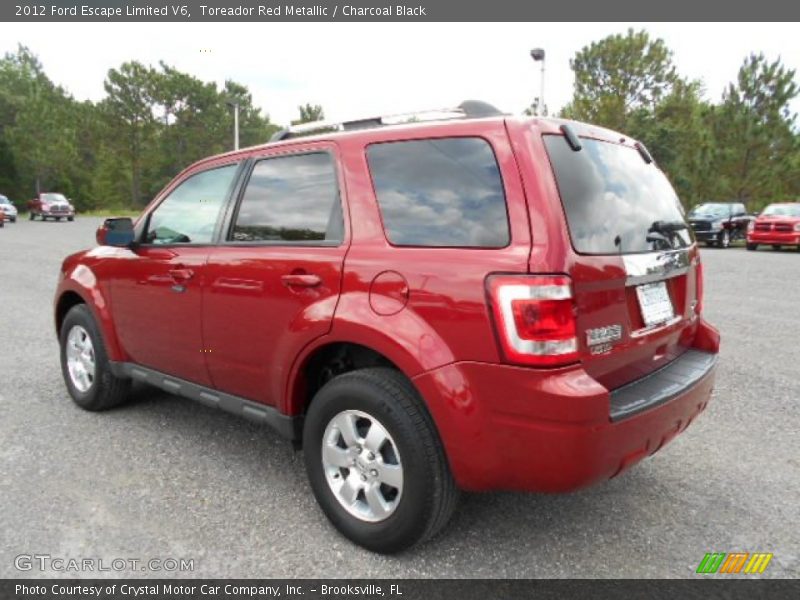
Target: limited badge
pixel 603 335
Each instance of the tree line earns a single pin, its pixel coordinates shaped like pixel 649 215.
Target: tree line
pixel 153 121
pixel 746 147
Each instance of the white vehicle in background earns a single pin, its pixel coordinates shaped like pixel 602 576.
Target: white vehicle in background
pixel 8 209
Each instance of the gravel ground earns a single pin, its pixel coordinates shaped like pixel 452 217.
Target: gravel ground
pixel 164 477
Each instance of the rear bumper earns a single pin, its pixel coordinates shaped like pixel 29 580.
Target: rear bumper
pixel 513 428
pixel 789 238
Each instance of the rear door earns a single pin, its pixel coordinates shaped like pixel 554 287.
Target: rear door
pixel 633 261
pixel 273 282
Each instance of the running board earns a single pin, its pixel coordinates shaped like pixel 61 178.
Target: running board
pixel 287 426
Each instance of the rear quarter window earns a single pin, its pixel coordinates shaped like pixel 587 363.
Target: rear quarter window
pixel 444 192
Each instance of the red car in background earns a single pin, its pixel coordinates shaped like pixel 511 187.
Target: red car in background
pixel 49 205
pixel 778 225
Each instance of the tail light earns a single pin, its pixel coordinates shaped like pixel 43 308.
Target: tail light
pixel 535 318
pixel 698 274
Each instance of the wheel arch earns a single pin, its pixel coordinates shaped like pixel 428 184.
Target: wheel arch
pixel 324 360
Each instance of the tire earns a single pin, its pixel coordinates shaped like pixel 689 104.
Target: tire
pixel 423 502
pixel 752 246
pixel 30 216
pixel 104 390
pixel 58 219
pixel 13 219
pixel 70 219
pixel 724 239
pixel 776 246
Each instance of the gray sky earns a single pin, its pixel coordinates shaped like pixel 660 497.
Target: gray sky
pixel 363 69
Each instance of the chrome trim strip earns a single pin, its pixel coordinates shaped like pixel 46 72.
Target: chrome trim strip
pixel 655 266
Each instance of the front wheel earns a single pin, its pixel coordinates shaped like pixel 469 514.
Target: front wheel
pixel 375 461
pixel 776 246
pixel 85 365
pixel 752 247
pixel 70 219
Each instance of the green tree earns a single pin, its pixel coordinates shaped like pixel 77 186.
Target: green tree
pixel 129 106
pixel 755 135
pixel 620 74
pixel 309 113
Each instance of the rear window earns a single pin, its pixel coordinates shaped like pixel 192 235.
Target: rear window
pixel 440 192
pixel 615 202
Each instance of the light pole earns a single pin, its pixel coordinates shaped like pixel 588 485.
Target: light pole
pixel 537 54
pixel 235 106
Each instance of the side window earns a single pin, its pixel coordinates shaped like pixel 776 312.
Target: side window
pixel 189 214
pixel 440 192
pixel 291 199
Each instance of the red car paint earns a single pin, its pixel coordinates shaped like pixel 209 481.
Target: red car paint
pixel 248 324
pixel 778 225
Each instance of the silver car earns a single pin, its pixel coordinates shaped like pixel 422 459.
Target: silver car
pixel 8 209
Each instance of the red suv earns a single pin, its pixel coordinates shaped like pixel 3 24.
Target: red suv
pixel 477 302
pixel 778 225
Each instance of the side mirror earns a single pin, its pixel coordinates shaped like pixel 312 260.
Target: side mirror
pixel 116 232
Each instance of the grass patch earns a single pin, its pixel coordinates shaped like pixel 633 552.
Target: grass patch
pixel 109 212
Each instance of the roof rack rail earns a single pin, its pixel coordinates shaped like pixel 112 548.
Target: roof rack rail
pixel 469 109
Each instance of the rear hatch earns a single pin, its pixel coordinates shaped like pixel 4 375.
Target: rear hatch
pixel 634 265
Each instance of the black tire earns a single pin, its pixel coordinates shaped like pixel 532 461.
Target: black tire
pixel 13 219
pixel 58 219
pixel 752 246
pixel 429 493
pixel 70 219
pixel 776 246
pixel 106 390
pixel 30 216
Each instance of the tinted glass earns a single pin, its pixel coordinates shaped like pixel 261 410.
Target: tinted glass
pixel 711 210
pixel 292 199
pixel 615 202
pixel 782 210
pixel 442 192
pixel 53 197
pixel 189 214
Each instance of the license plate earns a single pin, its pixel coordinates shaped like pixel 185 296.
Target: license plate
pixel 655 303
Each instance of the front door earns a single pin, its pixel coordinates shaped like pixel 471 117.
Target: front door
pixel 273 283
pixel 157 293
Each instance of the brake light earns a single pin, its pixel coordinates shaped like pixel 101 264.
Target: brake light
pixel 535 318
pixel 699 285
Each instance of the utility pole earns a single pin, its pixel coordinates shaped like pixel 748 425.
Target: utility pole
pixel 235 106
pixel 538 55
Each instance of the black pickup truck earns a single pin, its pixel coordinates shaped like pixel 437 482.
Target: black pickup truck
pixel 719 223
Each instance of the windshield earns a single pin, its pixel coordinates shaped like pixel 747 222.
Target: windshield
pixel 53 198
pixel 615 202
pixel 710 210
pixel 782 210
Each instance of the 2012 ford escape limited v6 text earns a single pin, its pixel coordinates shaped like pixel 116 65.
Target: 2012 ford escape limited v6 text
pixel 476 303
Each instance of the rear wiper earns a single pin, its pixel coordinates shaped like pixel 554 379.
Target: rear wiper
pixel 666 226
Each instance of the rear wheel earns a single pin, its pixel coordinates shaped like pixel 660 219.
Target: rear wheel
pixel 375 461
pixel 752 246
pixel 85 365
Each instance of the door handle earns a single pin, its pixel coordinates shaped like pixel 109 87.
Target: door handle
pixel 301 280
pixel 181 275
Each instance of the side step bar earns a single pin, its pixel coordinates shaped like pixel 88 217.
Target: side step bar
pixel 287 426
